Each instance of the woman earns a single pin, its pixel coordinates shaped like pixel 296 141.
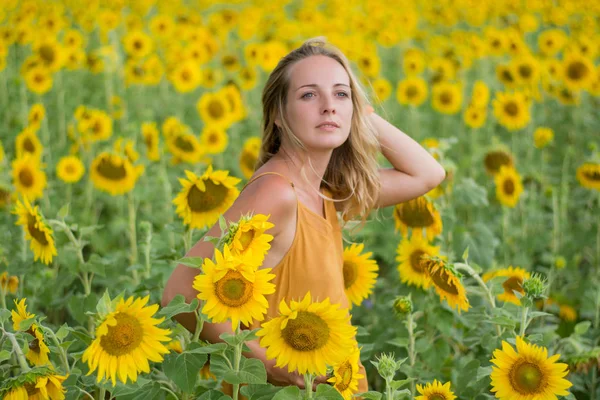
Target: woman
pixel 319 155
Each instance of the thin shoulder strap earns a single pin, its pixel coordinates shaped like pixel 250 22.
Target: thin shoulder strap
pixel 269 173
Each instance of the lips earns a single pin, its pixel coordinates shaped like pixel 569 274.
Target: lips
pixel 331 123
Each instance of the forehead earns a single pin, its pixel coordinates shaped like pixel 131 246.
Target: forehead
pixel 321 70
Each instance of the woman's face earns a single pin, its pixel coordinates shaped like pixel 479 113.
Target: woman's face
pixel 319 93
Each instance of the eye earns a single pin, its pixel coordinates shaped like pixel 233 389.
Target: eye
pixel 304 96
pixel 344 94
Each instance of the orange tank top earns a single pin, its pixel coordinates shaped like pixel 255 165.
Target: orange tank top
pixel 314 262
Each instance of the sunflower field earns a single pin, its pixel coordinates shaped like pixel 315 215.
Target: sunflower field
pixel 127 128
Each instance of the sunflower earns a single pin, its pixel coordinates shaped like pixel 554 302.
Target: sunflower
pixel 308 336
pixel 38 79
pixel 480 96
pixel 345 375
pixel 542 136
pixel 28 178
pixel 185 147
pixel 43 384
pixel 413 61
pixel 36 115
pixel 442 70
pixel 214 139
pixel 496 159
pixel 527 70
pixel 382 88
pixel 203 198
pixel 447 283
pixel 578 71
pixel 412 91
pixel 249 156
pixel 36 230
pixel 475 117
pixel 186 76
pixel 513 282
pixel 126 339
pixel 27 142
pixel 70 169
pixel 214 110
pixel 360 273
pixel 410 266
pixel 527 373
pixel 248 77
pixel 49 52
pixel 420 215
pixel 588 175
pixel 435 391
pixel 98 126
pixel 512 110
pixel 233 289
pixel 508 186
pixel 150 134
pixel 446 97
pixel 137 44
pixel 551 41
pixel 38 350
pixel 9 283
pixel 21 314
pixel 247 238
pixel 114 174
pixel 506 75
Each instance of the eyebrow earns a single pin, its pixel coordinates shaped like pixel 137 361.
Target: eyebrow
pixel 315 85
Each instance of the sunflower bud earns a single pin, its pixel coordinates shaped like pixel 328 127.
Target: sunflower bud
pixel 560 262
pixel 402 306
pixel 534 287
pixel 387 366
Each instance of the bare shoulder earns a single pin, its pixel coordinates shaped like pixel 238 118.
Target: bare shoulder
pixel 270 195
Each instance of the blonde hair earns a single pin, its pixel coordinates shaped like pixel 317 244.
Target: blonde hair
pixel 352 175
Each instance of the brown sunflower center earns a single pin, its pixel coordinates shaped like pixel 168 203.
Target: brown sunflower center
pixel 436 396
pixel 110 170
pixel 149 141
pixel 47 53
pixel 185 144
pixel 592 175
pixel 506 76
pixel 123 337
pixel 26 177
pixel 443 280
pixel 186 75
pixel 34 345
pixel 411 92
pixel 513 283
pixel 32 391
pixel 415 261
pixel 350 273
pixel 511 108
pixel 495 159
pixel 446 98
pixel 345 373
pixel 248 160
pixel 137 44
pixel 34 232
pixel 211 198
pixel 525 71
pixel 526 378
pixel 307 332
pixel 216 109
pixel 233 289
pixel 39 78
pixel 509 186
pixel 415 213
pixel 577 70
pixel 213 138
pixel 28 145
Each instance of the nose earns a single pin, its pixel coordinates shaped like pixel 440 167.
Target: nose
pixel 328 105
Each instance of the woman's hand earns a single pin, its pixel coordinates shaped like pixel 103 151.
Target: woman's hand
pixel 281 377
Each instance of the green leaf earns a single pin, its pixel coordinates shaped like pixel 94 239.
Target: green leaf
pixel 26 324
pixel 178 306
pixel 502 320
pixel 399 342
pixel 535 314
pixel 289 393
pixel 213 395
pixel 398 384
pixel 252 370
pixel 194 262
pixel 259 392
pixel 465 255
pixel 104 306
pixel 84 337
pixel 243 336
pixel 129 388
pixel 67 344
pixel 402 394
pixel 208 349
pixel 62 332
pixel 483 372
pixel 183 369
pixel 86 230
pixel 222 223
pixel 63 212
pixel 4 315
pixel 371 395
pixel 582 327
pixel 4 355
pixel 327 392
pixel 150 391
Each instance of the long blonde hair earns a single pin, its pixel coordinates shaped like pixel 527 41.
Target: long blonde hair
pixel 352 174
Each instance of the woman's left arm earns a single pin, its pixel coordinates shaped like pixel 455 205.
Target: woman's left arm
pixel 415 171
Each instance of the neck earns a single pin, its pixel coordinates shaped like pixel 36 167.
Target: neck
pixel 295 161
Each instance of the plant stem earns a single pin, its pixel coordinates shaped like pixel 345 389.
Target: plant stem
pixel 17 350
pixel 236 363
pixel 63 353
pixel 523 320
pixel 132 235
pixel 505 221
pixel 102 394
pixel 389 395
pixel 308 384
pixel 411 349
pixel 199 326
